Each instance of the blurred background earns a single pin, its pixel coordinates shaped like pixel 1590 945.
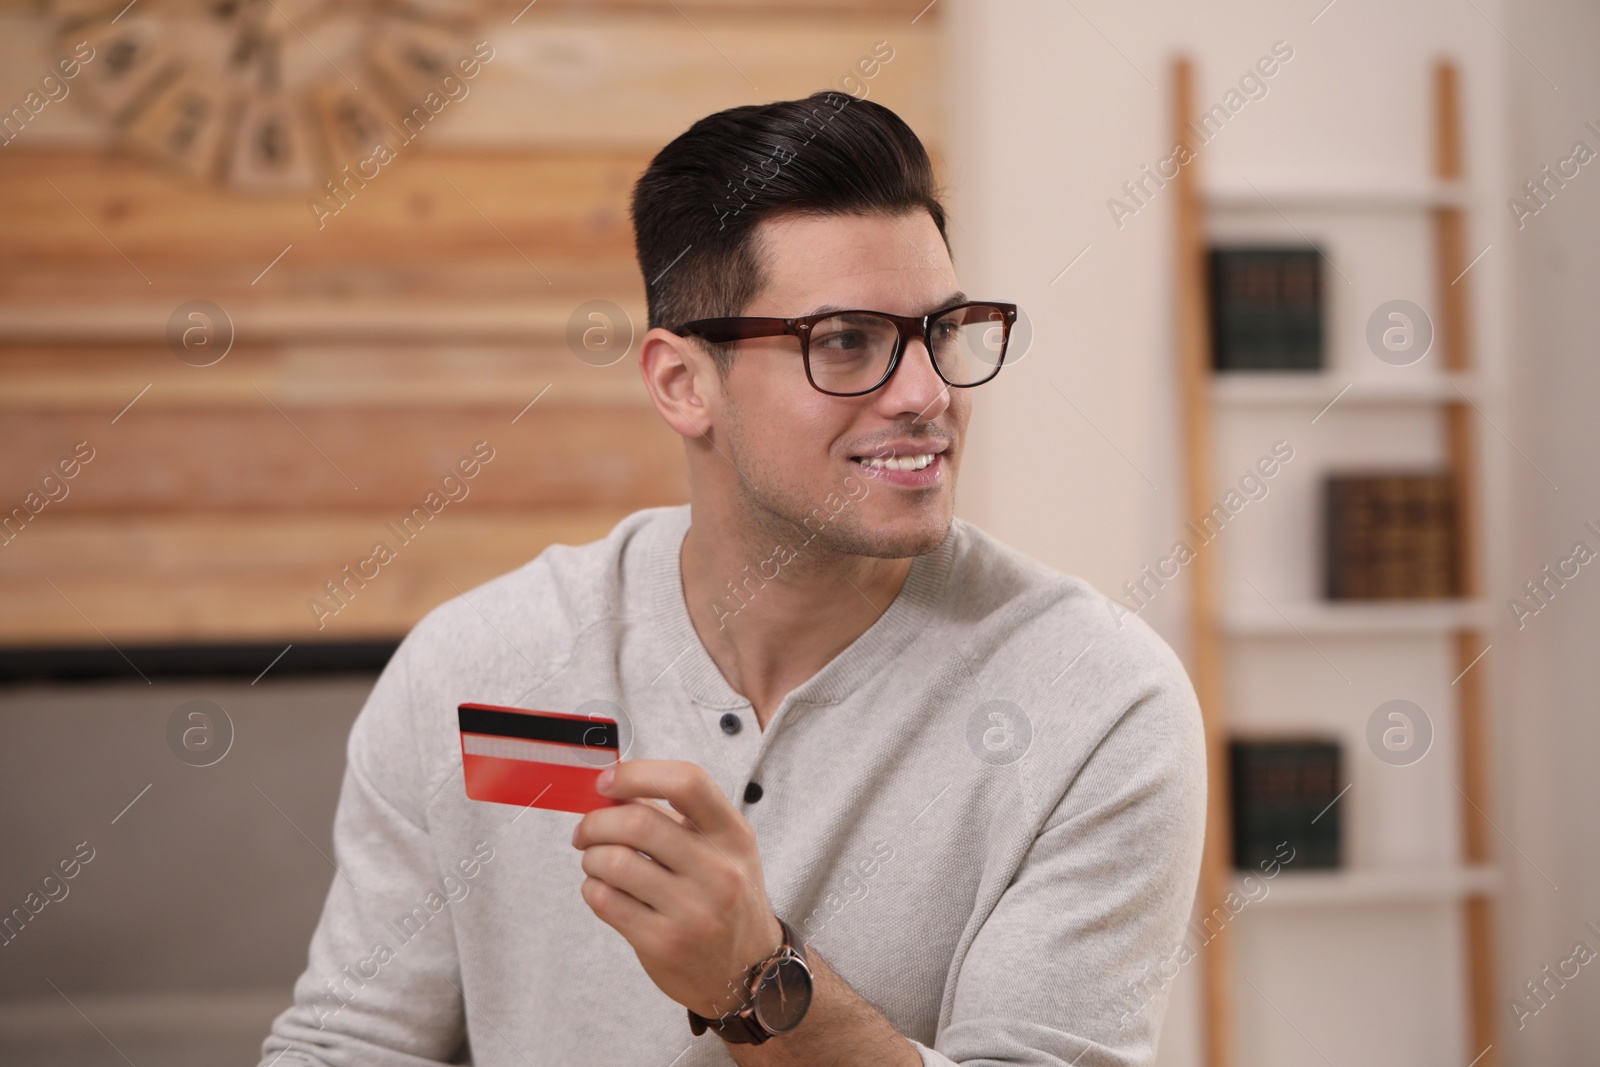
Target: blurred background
pixel 239 347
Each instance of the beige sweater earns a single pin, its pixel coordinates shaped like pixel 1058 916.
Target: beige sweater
pixel 986 814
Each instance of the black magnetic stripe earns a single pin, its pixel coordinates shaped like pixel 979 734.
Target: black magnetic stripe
pixel 591 733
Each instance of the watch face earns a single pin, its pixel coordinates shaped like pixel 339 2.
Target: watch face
pixel 784 994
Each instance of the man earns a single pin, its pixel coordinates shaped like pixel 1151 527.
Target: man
pixel 892 792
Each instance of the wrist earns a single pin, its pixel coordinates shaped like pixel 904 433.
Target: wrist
pixel 776 993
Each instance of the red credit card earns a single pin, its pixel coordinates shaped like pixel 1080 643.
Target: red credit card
pixel 540 759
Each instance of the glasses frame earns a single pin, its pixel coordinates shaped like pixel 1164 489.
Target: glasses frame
pixel 908 328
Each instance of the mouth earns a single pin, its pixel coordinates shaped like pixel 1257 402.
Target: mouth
pixel 908 462
pixel 906 456
pixel 899 467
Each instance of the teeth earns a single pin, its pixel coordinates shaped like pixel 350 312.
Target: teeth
pixel 897 463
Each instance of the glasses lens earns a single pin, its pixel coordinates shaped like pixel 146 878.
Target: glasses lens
pixel 851 352
pixel 969 343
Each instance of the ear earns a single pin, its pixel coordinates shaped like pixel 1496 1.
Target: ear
pixel 682 380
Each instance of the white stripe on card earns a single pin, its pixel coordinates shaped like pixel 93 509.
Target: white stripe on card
pixel 537 751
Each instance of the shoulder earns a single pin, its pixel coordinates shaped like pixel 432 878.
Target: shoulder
pixel 1016 600
pixel 1053 642
pixel 548 600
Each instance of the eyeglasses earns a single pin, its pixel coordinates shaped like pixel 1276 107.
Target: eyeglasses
pixel 851 353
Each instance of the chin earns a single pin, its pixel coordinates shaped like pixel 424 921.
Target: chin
pixel 911 535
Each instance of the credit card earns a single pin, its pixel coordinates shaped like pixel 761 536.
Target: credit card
pixel 541 759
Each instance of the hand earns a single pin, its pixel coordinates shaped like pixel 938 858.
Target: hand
pixel 694 906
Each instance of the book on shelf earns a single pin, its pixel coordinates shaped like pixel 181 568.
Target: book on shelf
pixel 1390 536
pixel 1283 791
pixel 1266 308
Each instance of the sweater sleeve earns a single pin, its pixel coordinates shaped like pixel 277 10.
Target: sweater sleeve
pixel 381 985
pixel 1067 969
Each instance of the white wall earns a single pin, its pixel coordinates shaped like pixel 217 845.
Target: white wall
pixel 1050 111
pixel 1550 721
pixel 1052 108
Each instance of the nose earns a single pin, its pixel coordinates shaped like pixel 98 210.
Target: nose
pixel 915 390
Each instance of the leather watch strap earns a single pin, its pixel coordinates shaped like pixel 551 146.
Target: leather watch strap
pixel 736 1029
pixel 744 1029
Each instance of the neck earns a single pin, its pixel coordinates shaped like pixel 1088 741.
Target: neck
pixel 772 619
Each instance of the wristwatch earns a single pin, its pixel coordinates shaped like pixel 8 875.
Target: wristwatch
pixel 780 994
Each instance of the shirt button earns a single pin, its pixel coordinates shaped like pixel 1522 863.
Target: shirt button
pixel 731 723
pixel 752 792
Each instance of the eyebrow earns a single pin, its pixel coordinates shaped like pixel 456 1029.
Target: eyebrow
pixel 957 297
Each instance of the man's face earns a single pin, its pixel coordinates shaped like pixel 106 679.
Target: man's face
pixel 794 445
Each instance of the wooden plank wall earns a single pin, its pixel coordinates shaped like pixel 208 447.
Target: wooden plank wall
pixel 379 348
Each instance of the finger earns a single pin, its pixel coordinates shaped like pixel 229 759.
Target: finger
pixel 641 877
pixel 617 909
pixel 685 785
pixel 662 806
pixel 641 825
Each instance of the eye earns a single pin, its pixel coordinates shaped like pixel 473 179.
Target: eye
pixel 944 329
pixel 842 340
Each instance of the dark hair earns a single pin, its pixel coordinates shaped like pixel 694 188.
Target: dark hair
pixel 696 206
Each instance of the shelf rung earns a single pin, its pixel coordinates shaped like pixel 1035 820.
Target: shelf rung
pixel 1355 619
pixel 1269 388
pixel 1356 886
pixel 1354 195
